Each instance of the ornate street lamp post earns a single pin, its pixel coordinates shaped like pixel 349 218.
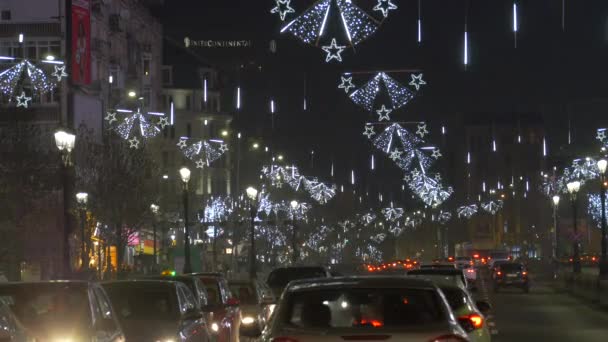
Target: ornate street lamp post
pixel 65 144
pixel 252 193
pixel 573 188
pixel 185 173
pixel 82 198
pixel 602 164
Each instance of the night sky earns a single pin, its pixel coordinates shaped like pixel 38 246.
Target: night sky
pixel 548 68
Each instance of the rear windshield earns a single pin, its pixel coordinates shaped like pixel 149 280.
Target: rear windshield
pixel 282 276
pixel 511 267
pixel 143 302
pixel 37 305
pixel 455 296
pixel 214 296
pixel 363 308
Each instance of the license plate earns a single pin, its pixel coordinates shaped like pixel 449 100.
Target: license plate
pixel 511 275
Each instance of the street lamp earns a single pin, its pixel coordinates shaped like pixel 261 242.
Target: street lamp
pixel 82 198
pixel 555 233
pixel 252 193
pixel 155 209
pixel 602 164
pixel 294 244
pixel 185 173
pixel 573 188
pixel 65 142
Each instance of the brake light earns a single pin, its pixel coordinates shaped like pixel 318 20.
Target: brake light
pixel 448 338
pixel 476 320
pixel 470 271
pixel 498 273
pixel 524 273
pixel 284 339
pixel 471 322
pixel 476 256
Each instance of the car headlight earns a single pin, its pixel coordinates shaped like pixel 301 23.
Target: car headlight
pixel 247 320
pixel 215 327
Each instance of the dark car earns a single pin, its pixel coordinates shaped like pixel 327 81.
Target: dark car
pixel 279 278
pixel 256 303
pixel 442 272
pixel 511 275
pixel 153 310
pixel 63 311
pixel 225 319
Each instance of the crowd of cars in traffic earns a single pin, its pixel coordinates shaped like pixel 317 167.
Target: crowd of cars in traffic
pixel 403 300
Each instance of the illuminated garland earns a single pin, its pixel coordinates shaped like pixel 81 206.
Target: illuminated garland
pixel 429 189
pixel 412 154
pixel 134 126
pixel 366 95
pixel 594 208
pixel 203 152
pixel 10 78
pixel 467 211
pixel 392 214
pixel 320 192
pixel 492 207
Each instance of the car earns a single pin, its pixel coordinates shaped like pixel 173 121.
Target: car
pixel 494 266
pixel 10 327
pixel 256 303
pixel 226 315
pixel 463 261
pixel 469 313
pixel 495 262
pixel 63 311
pixel 363 308
pixel 198 289
pixel 470 272
pixel 156 310
pixel 511 274
pixel 279 278
pixel 457 276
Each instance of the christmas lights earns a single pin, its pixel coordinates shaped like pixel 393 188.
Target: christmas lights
pixel 422 131
pixel 134 143
pixel 111 117
pixel 347 84
pixel 594 208
pixel 385 6
pixel 412 153
pixel 146 129
pixel 22 100
pixel 366 95
pixel 384 114
pixel 444 217
pixel 60 72
pixel 283 8
pixel 417 81
pixel 436 154
pixel 392 214
pixel 369 131
pixel 429 190
pixel 368 218
pixel 334 51
pixel 467 211
pixel 492 207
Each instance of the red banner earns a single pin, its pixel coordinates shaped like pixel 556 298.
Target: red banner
pixel 81 41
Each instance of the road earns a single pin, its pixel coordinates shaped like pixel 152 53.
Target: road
pixel 543 315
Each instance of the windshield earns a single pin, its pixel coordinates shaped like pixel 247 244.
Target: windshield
pixel 282 276
pixel 48 305
pixel 363 308
pixel 143 302
pixel 245 293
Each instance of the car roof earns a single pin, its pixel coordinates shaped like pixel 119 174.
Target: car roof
pixel 74 283
pixel 141 283
pixel 359 282
pixel 168 278
pixel 443 271
pixel 206 274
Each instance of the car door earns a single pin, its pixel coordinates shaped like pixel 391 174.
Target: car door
pixel 194 329
pixel 106 326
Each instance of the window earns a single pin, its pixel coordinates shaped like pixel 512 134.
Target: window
pixel 167 75
pixel 5 15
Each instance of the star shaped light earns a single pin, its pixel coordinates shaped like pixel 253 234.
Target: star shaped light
pixel 417 81
pixel 385 6
pixel 200 164
pixel 182 143
pixel 601 135
pixel 223 148
pixel 369 132
pixel 111 117
pixel 60 72
pixel 438 177
pixel 134 142
pixel 347 84
pixel 436 153
pixel 407 178
pixel 396 154
pixel 422 131
pixel 22 100
pixel 334 51
pixel 383 113
pixel 283 7
pixel 163 122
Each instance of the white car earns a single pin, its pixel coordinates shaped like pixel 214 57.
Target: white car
pixel 364 308
pixel 470 273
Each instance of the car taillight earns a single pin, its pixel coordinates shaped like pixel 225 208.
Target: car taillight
pixel 471 322
pixel 284 339
pixel 524 273
pixel 470 271
pixel 448 338
pixel 498 273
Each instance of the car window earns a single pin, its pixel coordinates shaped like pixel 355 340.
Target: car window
pixel 456 297
pixel 149 302
pixel 282 276
pixel 245 292
pixel 188 301
pixel 363 308
pixel 213 291
pixel 226 294
pixel 511 267
pixel 201 292
pixel 103 303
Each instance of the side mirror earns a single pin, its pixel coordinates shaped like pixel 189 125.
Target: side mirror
pixel 232 302
pixel 483 306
